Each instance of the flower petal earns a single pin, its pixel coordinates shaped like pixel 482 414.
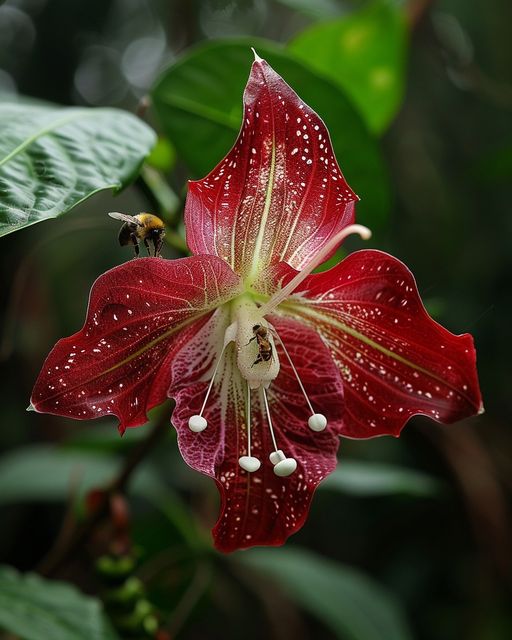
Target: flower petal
pixel 118 363
pixel 394 359
pixel 258 508
pixel 279 193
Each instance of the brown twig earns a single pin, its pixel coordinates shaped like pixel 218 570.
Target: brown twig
pixel 79 533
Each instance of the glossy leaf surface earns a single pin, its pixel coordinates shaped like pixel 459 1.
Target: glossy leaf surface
pixel 364 53
pixel 350 604
pixel 51 159
pixel 198 102
pixel 33 608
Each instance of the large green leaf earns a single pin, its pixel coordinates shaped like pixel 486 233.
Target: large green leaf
pixel 51 159
pixel 199 103
pixel 351 604
pixel 45 473
pixel 364 54
pixel 371 479
pixel 36 609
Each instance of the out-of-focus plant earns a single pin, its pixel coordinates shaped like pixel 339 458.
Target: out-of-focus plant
pixel 350 67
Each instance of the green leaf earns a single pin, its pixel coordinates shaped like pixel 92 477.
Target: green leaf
pixel 51 159
pixel 370 479
pixel 317 9
pixel 199 103
pixel 365 55
pixel 96 438
pixel 352 605
pixel 163 156
pixel 37 609
pixel 45 473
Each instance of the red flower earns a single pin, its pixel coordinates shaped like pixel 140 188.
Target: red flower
pixel 268 364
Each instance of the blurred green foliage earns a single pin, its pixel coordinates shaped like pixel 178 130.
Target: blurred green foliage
pixel 365 54
pixel 425 518
pixel 38 609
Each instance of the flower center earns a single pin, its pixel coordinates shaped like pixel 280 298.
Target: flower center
pixel 257 359
pixel 258 363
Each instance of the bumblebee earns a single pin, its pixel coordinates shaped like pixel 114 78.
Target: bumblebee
pixel 264 345
pixel 143 227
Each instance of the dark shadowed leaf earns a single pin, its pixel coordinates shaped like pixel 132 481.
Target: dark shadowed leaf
pixel 51 158
pixel 364 54
pixel 199 103
pixel 352 605
pixel 371 479
pixel 36 609
pixel 42 473
pixel 316 9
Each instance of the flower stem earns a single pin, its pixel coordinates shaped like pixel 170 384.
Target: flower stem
pixel 79 532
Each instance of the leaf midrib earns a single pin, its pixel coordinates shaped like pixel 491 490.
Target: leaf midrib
pixel 201 110
pixel 53 126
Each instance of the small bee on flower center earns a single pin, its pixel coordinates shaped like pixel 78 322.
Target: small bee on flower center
pixel 265 352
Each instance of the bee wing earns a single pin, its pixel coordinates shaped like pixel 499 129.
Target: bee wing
pixel 125 218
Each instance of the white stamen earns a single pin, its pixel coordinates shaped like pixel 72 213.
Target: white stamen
pixel 316 421
pixel 276 456
pixel 197 423
pixel 283 466
pixel 320 257
pixel 249 463
pixel 269 419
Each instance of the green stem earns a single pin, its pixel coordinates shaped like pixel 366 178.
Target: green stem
pixel 167 201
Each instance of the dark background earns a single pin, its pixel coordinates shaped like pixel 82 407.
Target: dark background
pixel 446 557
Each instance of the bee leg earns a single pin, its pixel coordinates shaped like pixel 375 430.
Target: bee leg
pixel 253 338
pixel 158 245
pixel 146 244
pixel 133 238
pixel 258 359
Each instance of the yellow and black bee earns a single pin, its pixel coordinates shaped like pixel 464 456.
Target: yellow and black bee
pixel 143 226
pixel 261 336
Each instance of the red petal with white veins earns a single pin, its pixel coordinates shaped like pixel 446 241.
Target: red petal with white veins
pixel 394 359
pixel 258 508
pixel 279 193
pixel 139 314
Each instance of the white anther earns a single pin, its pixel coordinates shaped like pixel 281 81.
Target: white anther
pixel 277 456
pixel 249 463
pixel 317 422
pixel 285 468
pixel 197 424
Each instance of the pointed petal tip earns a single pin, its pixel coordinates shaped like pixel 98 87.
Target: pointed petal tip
pixel 256 56
pixel 30 407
